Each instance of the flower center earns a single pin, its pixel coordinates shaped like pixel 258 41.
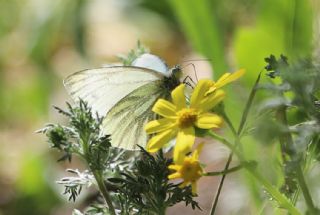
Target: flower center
pixel 191 170
pixel 186 117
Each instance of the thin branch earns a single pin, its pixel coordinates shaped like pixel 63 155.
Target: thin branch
pixel 231 170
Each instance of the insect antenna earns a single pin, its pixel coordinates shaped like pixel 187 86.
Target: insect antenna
pixel 194 70
pixel 196 60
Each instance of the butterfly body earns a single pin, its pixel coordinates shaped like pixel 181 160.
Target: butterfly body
pixel 124 95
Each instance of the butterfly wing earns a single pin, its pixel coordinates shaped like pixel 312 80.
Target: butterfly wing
pixel 126 120
pixel 104 87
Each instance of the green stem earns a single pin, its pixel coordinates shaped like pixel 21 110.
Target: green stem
pixel 287 144
pixel 248 105
pixel 305 191
pixel 221 139
pixel 216 199
pixel 97 175
pixel 225 142
pixel 229 123
pixel 104 191
pixel 224 172
pixel 162 211
pixel 275 194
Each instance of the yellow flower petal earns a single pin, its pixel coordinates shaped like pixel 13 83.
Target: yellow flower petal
pixel 164 108
pixel 194 187
pixel 174 167
pixel 208 120
pixel 212 100
pixel 156 142
pixel 199 92
pixel 196 153
pixel 174 175
pixel 183 184
pixel 185 140
pixel 159 125
pixel 178 97
pixel 211 90
pixel 229 77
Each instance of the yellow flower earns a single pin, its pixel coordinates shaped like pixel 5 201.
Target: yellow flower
pixel 190 170
pixel 224 79
pixel 180 120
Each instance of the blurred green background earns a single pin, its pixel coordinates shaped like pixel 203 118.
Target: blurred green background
pixel 43 41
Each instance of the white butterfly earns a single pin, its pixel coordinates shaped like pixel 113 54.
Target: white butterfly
pixel 125 96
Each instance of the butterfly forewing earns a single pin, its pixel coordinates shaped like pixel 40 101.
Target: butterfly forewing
pixel 104 87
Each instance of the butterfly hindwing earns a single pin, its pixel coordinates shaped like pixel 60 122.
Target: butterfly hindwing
pixel 126 120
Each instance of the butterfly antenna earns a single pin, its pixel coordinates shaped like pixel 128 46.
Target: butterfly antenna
pixel 196 60
pixel 194 70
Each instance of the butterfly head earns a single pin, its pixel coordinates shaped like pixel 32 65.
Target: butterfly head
pixel 172 80
pixel 176 71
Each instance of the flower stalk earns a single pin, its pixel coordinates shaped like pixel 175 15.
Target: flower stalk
pixel 103 189
pixel 97 174
pixel 305 191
